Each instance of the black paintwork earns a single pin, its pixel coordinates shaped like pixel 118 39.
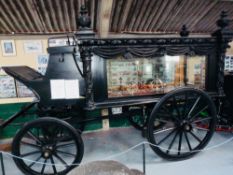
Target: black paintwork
pixel 90 68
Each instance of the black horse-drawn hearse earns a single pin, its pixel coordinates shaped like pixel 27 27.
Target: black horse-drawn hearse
pixel 170 87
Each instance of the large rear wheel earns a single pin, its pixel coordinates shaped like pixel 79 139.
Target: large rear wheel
pixel 185 120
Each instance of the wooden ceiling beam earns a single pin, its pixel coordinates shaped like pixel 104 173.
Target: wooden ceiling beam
pixel 114 16
pixel 43 10
pixel 152 15
pixel 93 4
pixel 53 16
pixel 4 28
pixel 18 16
pixel 72 15
pixel 213 17
pixel 166 13
pixel 59 15
pixel 10 16
pixel 180 18
pixel 105 8
pixel 66 16
pixel 124 16
pixel 200 13
pixel 194 9
pixel 143 9
pixel 25 16
pixel 147 16
pixel 170 23
pixel 33 15
pixel 204 23
pixel 6 20
pixel 159 14
pixel 136 15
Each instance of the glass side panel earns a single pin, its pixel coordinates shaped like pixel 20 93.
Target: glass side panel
pixel 196 71
pixel 149 76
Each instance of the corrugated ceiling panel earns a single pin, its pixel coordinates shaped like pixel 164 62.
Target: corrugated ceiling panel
pixel 41 16
pixel 161 16
pixel 149 16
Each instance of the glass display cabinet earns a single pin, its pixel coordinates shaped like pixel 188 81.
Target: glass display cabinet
pixel 151 76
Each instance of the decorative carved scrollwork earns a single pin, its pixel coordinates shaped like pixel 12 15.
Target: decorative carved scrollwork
pixel 145 42
pixel 111 52
pixel 85 53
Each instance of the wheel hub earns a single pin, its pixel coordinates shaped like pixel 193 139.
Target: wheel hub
pixel 47 152
pixel 187 127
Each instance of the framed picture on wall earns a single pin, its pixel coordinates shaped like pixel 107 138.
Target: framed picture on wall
pixel 33 46
pixel 8 48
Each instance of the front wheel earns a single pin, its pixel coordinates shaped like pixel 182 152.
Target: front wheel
pixel 42 147
pixel 186 120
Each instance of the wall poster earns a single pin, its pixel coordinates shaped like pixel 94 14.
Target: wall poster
pixel 42 63
pixel 7 87
pixel 229 63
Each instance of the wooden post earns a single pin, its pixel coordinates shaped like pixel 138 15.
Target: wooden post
pixel 105 9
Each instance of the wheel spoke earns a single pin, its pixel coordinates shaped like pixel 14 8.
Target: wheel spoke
pixel 65 145
pixel 30 153
pixel 172 142
pixel 194 105
pixel 163 130
pixel 37 133
pixel 167 136
pixel 200 128
pixel 185 103
pixel 54 166
pixel 200 120
pixel 161 120
pixel 170 114
pixel 192 117
pixel 187 140
pixel 197 138
pixel 33 163
pixel 62 152
pixel 46 133
pixel 58 134
pixel 180 142
pixel 61 160
pixel 163 114
pixel 44 165
pixel 34 137
pixel 30 144
pixel 176 108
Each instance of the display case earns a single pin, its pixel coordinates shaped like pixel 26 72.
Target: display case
pixel 157 75
pixel 126 75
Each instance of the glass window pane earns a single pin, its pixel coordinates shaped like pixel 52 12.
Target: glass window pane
pixel 196 71
pixel 149 76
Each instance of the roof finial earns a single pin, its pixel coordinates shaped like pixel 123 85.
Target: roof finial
pixel 184 31
pixel 84 21
pixel 223 21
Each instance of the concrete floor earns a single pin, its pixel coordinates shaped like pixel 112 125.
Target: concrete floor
pixel 101 145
